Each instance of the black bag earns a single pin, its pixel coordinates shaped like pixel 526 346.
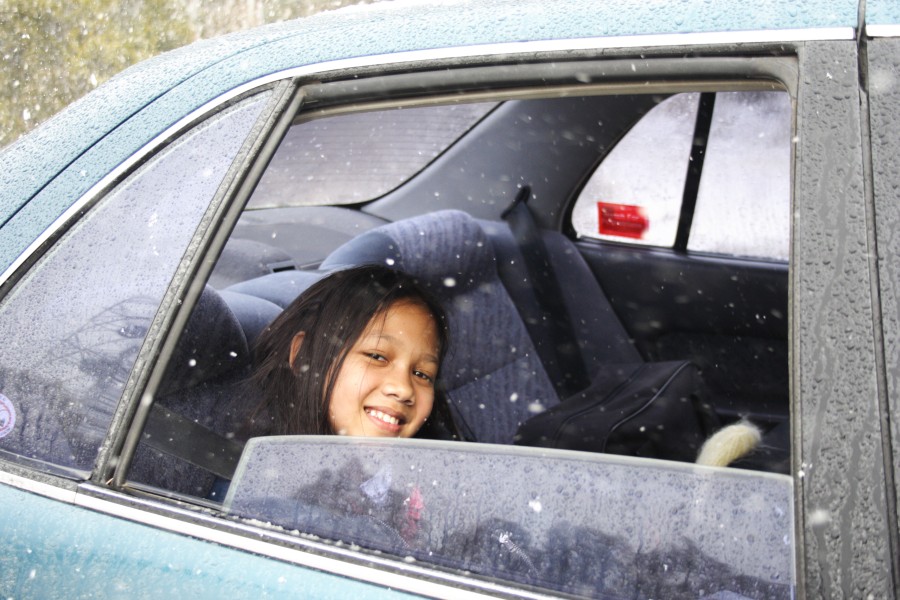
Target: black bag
pixel 653 410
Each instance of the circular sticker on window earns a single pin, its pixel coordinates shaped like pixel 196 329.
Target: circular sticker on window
pixel 7 416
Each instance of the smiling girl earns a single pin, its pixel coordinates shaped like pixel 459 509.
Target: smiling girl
pixel 358 353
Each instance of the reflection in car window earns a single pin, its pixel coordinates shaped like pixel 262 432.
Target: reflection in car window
pixel 72 327
pixel 354 158
pixel 569 522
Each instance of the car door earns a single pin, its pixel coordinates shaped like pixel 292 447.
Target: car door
pixel 259 491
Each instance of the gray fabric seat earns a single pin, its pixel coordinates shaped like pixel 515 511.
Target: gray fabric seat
pixel 204 383
pixel 492 373
pixel 600 336
pixel 278 288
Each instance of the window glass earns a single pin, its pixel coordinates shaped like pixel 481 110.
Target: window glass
pixel 589 524
pixel 72 327
pixel 358 157
pixel 635 194
pixel 744 203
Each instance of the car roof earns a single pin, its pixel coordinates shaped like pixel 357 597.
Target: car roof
pixel 123 115
pixel 881 13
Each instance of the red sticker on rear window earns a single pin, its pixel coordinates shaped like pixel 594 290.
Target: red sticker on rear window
pixel 623 220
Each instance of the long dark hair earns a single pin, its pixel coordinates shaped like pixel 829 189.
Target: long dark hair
pixel 333 313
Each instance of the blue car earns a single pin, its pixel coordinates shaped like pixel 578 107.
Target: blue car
pixel 646 223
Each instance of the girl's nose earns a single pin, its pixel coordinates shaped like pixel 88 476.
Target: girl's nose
pixel 398 386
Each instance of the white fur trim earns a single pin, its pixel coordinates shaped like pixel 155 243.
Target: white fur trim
pixel 729 444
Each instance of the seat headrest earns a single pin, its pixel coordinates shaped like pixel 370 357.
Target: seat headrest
pixel 445 249
pixel 278 288
pixel 212 344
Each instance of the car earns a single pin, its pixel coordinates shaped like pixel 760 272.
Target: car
pixel 599 194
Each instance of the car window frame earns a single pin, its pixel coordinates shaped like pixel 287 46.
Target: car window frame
pixel 878 129
pixel 310 95
pixel 834 371
pixel 314 99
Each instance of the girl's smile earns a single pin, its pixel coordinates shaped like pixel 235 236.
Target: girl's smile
pixel 385 418
pixel 386 384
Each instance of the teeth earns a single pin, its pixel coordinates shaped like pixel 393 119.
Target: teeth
pixel 386 418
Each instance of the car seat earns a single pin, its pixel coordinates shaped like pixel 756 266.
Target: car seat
pixel 203 407
pixel 600 337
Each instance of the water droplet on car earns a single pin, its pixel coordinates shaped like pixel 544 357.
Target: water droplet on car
pixel 819 517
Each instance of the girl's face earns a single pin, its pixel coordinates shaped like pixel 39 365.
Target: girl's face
pixel 386 384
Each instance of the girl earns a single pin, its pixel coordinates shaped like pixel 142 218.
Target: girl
pixel 358 353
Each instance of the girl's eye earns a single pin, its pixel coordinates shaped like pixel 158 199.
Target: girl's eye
pixel 376 356
pixel 424 376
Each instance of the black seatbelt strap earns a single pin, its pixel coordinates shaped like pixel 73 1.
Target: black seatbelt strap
pixel 183 438
pixel 558 346
pixel 702 126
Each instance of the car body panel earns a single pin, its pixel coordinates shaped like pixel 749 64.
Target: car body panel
pixel 835 392
pixel 884 95
pixel 70 549
pixel 882 12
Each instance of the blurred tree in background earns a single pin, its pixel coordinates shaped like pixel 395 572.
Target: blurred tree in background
pixel 55 51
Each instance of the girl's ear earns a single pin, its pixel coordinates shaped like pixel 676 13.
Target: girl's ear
pixel 296 342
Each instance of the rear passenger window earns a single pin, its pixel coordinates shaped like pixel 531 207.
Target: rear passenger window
pixel 354 158
pixel 73 326
pixel 742 205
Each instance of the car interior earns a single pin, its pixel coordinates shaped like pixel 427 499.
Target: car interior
pixel 448 223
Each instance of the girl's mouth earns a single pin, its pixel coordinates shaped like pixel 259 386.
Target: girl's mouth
pixel 384 420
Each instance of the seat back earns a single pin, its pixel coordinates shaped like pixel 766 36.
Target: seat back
pixel 599 334
pixel 204 385
pixel 492 374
